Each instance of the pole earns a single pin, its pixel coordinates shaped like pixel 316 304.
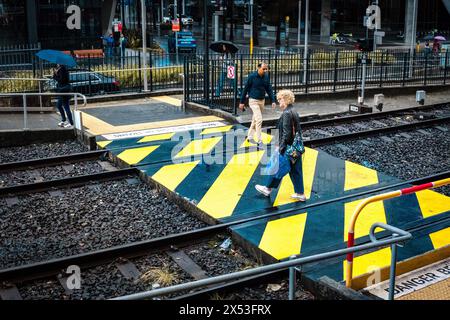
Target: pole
pixel 144 42
pixel 216 27
pixel 299 21
pixel 183 7
pixel 206 53
pixel 413 39
pixel 251 26
pixel 392 269
pixel 162 12
pixel 363 81
pixel 305 50
pixel 374 36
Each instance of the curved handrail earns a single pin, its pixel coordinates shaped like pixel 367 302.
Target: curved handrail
pixel 365 202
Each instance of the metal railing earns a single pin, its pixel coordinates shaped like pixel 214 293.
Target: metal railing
pixel 24 96
pixel 380 197
pixel 398 236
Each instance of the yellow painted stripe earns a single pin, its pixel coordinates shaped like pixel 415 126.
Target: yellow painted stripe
pixel 169 100
pixel 226 191
pixel 217 130
pixel 373 212
pixel 201 146
pixel 157 137
pixel 432 203
pixel 172 175
pixel 283 237
pixel 369 262
pixel 357 176
pixel 95 125
pixel 100 127
pixel 286 189
pixel 136 155
pixel 440 238
pixel 265 138
pixel 103 144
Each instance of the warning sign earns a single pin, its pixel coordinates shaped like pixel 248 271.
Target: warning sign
pixel 230 72
pixel 413 281
pixel 176 25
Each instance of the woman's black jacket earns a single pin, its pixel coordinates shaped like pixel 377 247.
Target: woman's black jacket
pixel 286 134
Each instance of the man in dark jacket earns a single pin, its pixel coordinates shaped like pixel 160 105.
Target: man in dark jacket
pixel 256 86
pixel 61 75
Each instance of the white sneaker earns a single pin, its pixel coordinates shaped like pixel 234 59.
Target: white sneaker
pixel 68 125
pixel 62 124
pixel 299 197
pixel 263 190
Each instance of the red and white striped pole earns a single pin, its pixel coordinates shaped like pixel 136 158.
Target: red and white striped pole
pixel 380 197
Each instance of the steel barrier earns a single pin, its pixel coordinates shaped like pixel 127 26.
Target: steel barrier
pixel 380 197
pixel 398 236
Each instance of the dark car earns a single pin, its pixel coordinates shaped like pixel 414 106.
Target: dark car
pixel 87 82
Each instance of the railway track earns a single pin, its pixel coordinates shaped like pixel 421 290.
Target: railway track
pixel 172 243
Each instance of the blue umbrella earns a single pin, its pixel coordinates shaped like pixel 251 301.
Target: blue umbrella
pixel 58 57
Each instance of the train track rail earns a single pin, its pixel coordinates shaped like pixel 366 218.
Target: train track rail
pixel 45 269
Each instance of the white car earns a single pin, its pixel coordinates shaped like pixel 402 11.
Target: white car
pixel 187 20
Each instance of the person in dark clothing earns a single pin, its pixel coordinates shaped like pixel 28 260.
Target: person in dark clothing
pixel 61 75
pixel 256 86
pixel 288 125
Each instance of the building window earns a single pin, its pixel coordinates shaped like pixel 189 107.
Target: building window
pixel 13 22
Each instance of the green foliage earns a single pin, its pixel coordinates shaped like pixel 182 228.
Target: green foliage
pixel 9 86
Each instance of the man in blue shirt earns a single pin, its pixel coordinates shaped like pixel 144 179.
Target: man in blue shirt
pixel 256 86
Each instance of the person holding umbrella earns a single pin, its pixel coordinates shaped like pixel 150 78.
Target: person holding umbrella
pixel 256 86
pixel 61 76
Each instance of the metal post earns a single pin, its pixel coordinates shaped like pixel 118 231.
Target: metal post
pixel 363 80
pixel 299 24
pixel 183 7
pixel 175 13
pixel 305 52
pixel 413 38
pixel 206 54
pixel 162 12
pixel 216 27
pixel 393 267
pixel 251 27
pixel 292 280
pixel 144 42
pixel 25 115
pixel 40 97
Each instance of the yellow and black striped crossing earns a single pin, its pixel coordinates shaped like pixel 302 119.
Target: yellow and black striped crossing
pixel 216 169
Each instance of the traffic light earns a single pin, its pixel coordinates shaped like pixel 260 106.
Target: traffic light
pixel 365 44
pixel 171 12
pixel 259 12
pixel 247 12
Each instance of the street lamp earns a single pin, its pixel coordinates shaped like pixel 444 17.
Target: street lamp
pixel 144 42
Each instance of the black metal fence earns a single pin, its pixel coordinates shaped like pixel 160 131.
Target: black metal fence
pixel 22 71
pixel 320 71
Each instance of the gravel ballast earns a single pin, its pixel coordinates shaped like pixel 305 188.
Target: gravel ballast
pixel 43 226
pixel 41 150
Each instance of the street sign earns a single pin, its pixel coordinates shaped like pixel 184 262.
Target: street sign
pixel 175 26
pixel 364 61
pixel 373 20
pixel 379 33
pixel 230 72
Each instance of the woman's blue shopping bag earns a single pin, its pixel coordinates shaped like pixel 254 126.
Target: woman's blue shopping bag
pixel 278 165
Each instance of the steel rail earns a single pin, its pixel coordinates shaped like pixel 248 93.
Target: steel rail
pixel 51 161
pixel 54 266
pixel 66 182
pixel 359 117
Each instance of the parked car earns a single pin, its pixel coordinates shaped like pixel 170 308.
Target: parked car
pixel 186 20
pixel 186 42
pixel 87 82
